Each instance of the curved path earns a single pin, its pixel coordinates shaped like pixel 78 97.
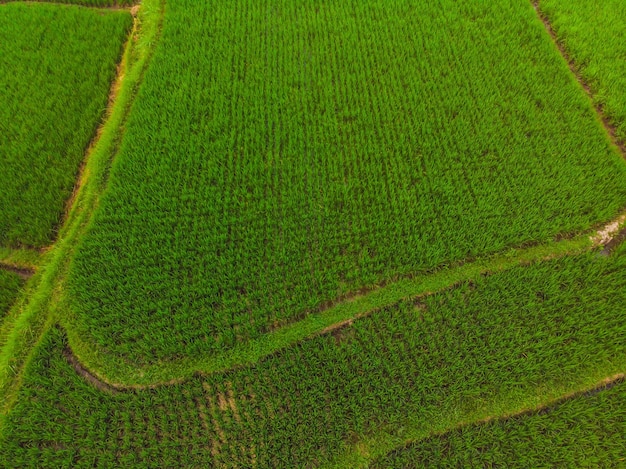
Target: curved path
pixel 21 333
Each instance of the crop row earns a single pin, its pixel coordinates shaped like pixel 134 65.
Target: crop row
pixel 282 154
pixel 593 35
pixel 91 3
pixel 10 285
pixel 586 431
pixel 509 340
pixel 56 67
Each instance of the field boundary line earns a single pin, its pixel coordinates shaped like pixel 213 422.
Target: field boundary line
pixel 23 258
pixel 23 272
pixel 85 374
pixel 606 123
pixel 127 376
pixel 125 372
pixel 26 326
pixel 130 8
pixel 603 384
pixel 114 91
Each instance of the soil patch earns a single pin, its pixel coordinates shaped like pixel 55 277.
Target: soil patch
pixel 618 239
pixel 23 272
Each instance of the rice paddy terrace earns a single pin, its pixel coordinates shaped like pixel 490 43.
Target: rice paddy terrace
pixel 312 234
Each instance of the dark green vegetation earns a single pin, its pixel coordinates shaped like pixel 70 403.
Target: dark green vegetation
pixel 10 284
pixel 32 317
pixel 282 154
pixel 594 34
pixel 91 3
pixel 501 343
pixel 352 143
pixel 586 431
pixel 56 67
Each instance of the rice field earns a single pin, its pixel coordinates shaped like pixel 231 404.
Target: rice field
pixel 260 180
pixel 56 68
pixel 586 431
pixel 420 366
pixel 594 35
pixel 10 284
pixel 336 234
pixel 89 3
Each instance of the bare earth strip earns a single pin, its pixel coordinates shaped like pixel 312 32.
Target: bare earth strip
pixel 85 374
pixel 606 383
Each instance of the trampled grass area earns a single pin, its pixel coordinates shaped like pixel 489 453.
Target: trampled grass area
pixel 280 155
pixel 586 431
pixel 10 285
pixel 594 34
pixel 56 67
pixel 509 341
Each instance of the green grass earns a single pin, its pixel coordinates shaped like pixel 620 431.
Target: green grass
pixel 594 34
pixel 505 342
pixel 56 67
pixel 10 285
pixel 90 3
pixel 21 257
pixel 129 374
pixel 281 155
pixel 586 431
pixel 28 322
pixel 415 368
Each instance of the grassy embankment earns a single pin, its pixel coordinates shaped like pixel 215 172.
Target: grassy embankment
pixel 493 346
pixel 56 67
pixel 585 431
pixel 594 36
pixel 337 147
pixel 29 320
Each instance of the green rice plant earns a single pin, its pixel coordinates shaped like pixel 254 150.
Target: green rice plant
pixel 283 155
pixel 10 285
pixel 593 35
pixel 585 431
pixel 91 3
pixel 56 67
pixel 500 344
pixel 30 318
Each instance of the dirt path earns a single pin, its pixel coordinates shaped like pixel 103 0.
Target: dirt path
pixel 86 375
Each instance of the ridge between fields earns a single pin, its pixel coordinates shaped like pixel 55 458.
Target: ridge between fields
pixel 23 272
pixel 133 375
pixel 87 359
pixel 132 7
pixel 610 128
pixel 547 407
pixel 27 270
pixel 28 322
